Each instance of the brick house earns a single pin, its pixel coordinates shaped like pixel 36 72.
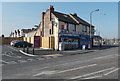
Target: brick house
pixel 69 30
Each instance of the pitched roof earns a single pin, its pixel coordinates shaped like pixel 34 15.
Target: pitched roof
pixel 26 30
pixel 81 21
pixel 64 17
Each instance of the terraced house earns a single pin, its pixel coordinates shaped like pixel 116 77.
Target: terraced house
pixel 68 30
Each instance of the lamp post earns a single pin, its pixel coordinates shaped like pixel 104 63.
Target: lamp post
pixel 100 40
pixel 91 26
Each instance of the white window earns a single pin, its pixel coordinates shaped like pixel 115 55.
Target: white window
pixel 74 27
pixel 84 28
pixel 67 26
pixel 88 28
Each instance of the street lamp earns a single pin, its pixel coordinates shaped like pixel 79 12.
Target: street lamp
pixel 91 24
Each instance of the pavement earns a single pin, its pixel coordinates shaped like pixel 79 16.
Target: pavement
pixel 49 52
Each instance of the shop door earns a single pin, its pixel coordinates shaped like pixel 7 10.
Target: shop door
pixel 37 42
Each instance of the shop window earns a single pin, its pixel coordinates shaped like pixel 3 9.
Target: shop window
pixel 65 40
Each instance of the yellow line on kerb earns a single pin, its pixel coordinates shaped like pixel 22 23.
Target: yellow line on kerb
pixel 54 55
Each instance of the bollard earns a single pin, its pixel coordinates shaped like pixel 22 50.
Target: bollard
pixel 27 49
pixel 33 51
pixel 83 47
pixel 23 48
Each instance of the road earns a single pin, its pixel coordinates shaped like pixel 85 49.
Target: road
pixel 102 64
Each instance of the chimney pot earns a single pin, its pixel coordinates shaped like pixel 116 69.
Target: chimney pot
pixel 74 14
pixel 51 8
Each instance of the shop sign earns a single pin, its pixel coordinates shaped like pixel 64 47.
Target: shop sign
pixel 63 27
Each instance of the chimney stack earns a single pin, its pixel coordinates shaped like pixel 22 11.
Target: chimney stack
pixel 43 13
pixel 51 8
pixel 74 14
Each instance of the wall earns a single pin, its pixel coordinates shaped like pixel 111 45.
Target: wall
pixel 7 40
pixel 30 34
pixel 47 23
pixel 46 42
pixel 78 27
pixel 29 39
pixel 56 27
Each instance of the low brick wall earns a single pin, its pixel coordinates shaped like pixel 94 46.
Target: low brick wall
pixel 7 40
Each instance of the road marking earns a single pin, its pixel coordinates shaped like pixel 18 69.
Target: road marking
pixel 92 77
pixel 4 61
pixel 12 48
pixel 108 56
pixel 18 56
pixel 45 72
pixel 30 59
pixel 112 71
pixel 39 58
pixel 67 70
pixel 53 55
pixel 77 68
pixel 12 56
pixel 75 61
pixel 12 62
pixel 47 57
pixel 22 61
pixel 92 73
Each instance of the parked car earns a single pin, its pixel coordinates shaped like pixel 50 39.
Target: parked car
pixel 14 41
pixel 22 43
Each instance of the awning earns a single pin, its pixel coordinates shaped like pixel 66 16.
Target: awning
pixel 86 36
pixel 77 36
pixel 85 40
pixel 68 36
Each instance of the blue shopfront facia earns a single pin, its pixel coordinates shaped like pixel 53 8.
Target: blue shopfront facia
pixel 75 36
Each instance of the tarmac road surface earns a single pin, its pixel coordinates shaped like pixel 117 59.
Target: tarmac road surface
pixel 101 64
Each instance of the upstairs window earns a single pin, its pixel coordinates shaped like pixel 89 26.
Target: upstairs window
pixel 74 27
pixel 63 27
pixel 88 29
pixel 67 26
pixel 84 29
